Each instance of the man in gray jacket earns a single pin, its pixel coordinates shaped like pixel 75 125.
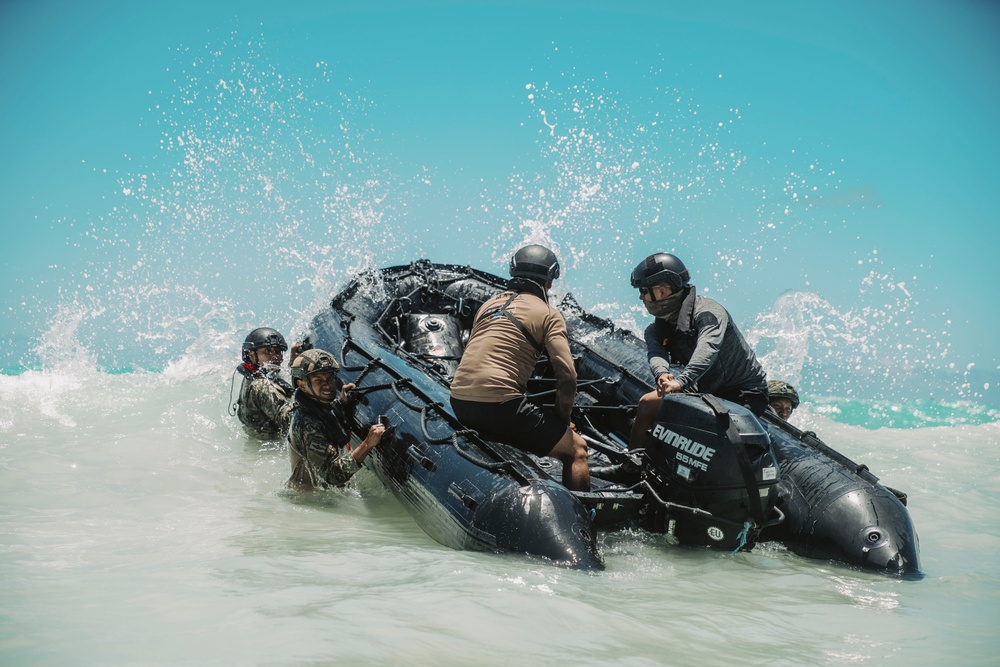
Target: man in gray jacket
pixel 697 333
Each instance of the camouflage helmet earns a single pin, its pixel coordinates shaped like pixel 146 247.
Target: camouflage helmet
pixel 780 389
pixel 313 361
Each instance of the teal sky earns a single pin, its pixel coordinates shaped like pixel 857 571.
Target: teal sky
pixel 900 99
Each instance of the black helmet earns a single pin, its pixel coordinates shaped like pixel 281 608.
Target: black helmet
pixel 262 337
pixel 534 261
pixel 779 389
pixel 660 268
pixel 313 361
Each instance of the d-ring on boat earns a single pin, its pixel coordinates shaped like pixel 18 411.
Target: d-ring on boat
pixel 711 472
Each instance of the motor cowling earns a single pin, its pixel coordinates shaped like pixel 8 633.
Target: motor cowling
pixel 437 339
pixel 715 466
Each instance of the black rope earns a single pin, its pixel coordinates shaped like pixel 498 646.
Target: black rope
pixel 502 466
pixel 426 431
pixel 546 392
pixel 234 405
pixel 349 342
pixel 395 390
pixel 369 367
pixel 375 387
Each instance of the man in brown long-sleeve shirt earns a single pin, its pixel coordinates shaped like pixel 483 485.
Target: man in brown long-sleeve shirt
pixel 508 336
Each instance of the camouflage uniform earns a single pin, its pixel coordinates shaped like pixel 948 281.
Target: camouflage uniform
pixel 265 405
pixel 319 445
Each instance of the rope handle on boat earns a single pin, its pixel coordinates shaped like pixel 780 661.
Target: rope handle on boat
pixel 348 341
pixel 504 465
pixel 369 367
pixel 395 391
pixel 423 425
pixel 546 392
pixel 498 466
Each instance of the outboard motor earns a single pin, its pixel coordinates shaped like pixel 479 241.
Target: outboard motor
pixel 713 464
pixel 437 339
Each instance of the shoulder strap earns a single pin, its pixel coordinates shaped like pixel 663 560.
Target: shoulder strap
pixel 502 310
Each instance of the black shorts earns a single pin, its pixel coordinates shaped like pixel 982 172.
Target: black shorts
pixel 754 399
pixel 517 422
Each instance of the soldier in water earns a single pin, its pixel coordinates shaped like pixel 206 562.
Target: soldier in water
pixel 782 398
pixel 319 437
pixel 265 403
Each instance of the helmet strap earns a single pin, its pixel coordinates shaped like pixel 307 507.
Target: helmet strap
pixel 308 389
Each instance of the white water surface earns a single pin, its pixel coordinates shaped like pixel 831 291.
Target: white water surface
pixel 139 525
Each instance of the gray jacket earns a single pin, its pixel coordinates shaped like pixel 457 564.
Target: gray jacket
pixel 705 340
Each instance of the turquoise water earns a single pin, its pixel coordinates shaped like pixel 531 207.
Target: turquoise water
pixel 905 414
pixel 178 175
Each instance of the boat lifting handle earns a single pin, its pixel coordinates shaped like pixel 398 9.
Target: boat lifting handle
pixel 457 491
pixel 424 461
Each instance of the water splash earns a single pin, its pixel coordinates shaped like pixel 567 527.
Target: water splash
pixel 879 348
pixel 610 176
pixel 60 348
pixel 269 191
pixel 266 192
pixel 616 178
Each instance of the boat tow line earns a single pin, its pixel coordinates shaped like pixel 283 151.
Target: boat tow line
pixel 546 392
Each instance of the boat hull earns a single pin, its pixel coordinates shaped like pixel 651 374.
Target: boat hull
pixel 837 510
pixel 463 492
pixel 470 493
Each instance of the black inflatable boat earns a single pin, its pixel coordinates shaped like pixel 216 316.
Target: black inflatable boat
pixel 711 473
